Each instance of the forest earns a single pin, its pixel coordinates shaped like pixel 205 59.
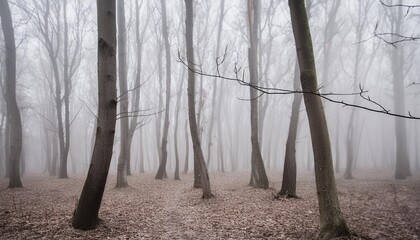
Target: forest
pixel 242 119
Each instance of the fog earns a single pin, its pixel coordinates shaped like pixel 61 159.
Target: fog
pixel 312 97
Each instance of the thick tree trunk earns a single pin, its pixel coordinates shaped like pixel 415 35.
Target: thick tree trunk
pixel 13 114
pixel 189 23
pixel 164 151
pixel 332 223
pixel 123 97
pixel 288 187
pixel 86 213
pixel 258 175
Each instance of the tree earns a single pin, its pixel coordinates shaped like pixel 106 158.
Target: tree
pixel 198 153
pixel 332 222
pixel 123 97
pixel 288 185
pixel 164 151
pixel 396 55
pixel 258 175
pixel 86 213
pixel 213 103
pixel 14 121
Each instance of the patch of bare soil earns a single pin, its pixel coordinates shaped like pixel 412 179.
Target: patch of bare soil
pixel 375 206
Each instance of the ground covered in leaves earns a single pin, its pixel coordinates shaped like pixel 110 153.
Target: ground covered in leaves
pixel 375 206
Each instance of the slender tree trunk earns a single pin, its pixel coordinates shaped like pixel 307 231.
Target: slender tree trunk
pixel 123 97
pixel 178 106
pixel 402 169
pixel 213 103
pixel 142 149
pixel 86 213
pixel 66 99
pixel 13 114
pixel 258 175
pixel 187 147
pixel 164 145
pixel 2 157
pixel 6 147
pixel 288 187
pixel 332 223
pixel 205 181
pixel 136 96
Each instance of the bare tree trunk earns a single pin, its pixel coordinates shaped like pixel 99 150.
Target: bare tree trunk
pixel 6 147
pixel 402 169
pixel 164 145
pixel 187 147
pixel 178 106
pixel 213 103
pixel 332 223
pixel 123 97
pixel 288 187
pixel 136 97
pixel 86 213
pixel 142 149
pixel 13 114
pixel 189 23
pixel 2 157
pixel 258 175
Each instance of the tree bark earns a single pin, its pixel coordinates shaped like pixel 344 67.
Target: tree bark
pixel 288 187
pixel 86 213
pixel 332 223
pixel 164 151
pixel 178 107
pixel 187 148
pixel 189 23
pixel 258 175
pixel 123 97
pixel 13 114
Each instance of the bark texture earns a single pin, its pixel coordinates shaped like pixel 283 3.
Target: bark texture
pixel 198 153
pixel 288 186
pixel 332 223
pixel 86 213
pixel 14 120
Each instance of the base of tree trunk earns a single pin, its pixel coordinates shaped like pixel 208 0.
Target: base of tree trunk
pixel 400 176
pixel 348 176
pixel 85 224
pixel 286 194
pixel 330 232
pixel 121 185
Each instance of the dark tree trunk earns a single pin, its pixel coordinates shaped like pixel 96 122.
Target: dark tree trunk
pixel 6 147
pixel 201 164
pixel 164 151
pixel 332 223
pixel 86 213
pixel 288 187
pixel 13 114
pixel 258 175
pixel 123 98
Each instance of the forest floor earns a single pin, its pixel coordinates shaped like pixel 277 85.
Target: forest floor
pixel 375 206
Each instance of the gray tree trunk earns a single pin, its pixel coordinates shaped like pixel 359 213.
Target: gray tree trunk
pixel 164 151
pixel 205 181
pixel 213 102
pixel 123 97
pixel 258 175
pixel 86 213
pixel 13 114
pixel 288 186
pixel 332 223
